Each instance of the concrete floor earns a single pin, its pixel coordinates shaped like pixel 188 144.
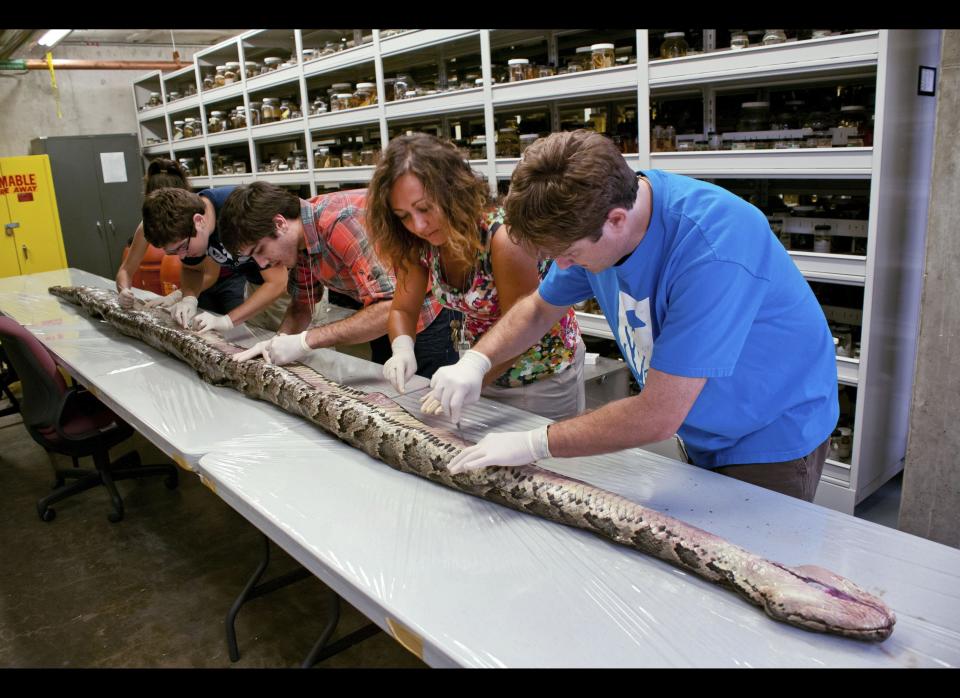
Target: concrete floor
pixel 153 589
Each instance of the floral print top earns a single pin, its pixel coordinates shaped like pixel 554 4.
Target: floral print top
pixel 480 305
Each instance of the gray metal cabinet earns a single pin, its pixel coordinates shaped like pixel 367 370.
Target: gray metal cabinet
pixel 98 181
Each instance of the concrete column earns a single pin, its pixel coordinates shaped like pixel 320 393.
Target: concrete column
pixel 930 504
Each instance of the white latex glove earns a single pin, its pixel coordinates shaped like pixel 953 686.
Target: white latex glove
pixel 184 311
pixel 400 367
pixel 165 301
pixel 208 322
pixel 280 349
pixel 126 298
pixel 506 448
pixel 456 386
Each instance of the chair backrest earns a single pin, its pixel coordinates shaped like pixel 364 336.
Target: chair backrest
pixel 43 385
pixel 169 274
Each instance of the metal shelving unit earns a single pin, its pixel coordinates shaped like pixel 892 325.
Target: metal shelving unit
pixel 897 167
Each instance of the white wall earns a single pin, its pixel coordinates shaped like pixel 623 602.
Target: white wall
pixel 91 101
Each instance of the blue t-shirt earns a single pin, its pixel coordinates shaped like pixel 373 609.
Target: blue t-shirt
pixel 710 292
pixel 215 249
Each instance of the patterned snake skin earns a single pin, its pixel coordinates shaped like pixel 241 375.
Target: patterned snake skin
pixel 809 597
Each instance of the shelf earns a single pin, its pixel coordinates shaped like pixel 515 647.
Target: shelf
pixel 421 38
pixel 197 142
pixel 338 60
pixel 836 471
pixel 290 127
pixel 218 94
pixel 505 166
pixel 280 178
pixel 334 175
pixel 179 73
pixel 579 85
pixel 151 113
pixel 831 54
pixel 848 370
pixel 183 104
pixel 157 149
pixel 461 100
pixel 281 76
pixel 226 180
pixel 840 268
pixel 345 117
pixel 237 135
pixel 832 163
pixel 198 182
pixel 594 325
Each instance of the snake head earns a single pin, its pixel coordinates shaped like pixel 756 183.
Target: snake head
pixel 817 599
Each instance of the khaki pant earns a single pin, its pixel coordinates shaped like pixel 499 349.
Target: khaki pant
pixel 557 397
pixel 270 317
pixel 797 478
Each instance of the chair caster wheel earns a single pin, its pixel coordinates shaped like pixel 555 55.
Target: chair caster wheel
pixel 114 517
pixel 48 514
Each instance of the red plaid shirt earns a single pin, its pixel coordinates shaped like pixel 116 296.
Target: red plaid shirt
pixel 339 255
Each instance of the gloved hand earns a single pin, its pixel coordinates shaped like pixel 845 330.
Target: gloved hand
pixel 505 448
pixel 280 349
pixel 400 367
pixel 456 386
pixel 184 311
pixel 126 298
pixel 208 322
pixel 165 301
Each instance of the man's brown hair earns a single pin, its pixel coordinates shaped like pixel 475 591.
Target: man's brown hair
pixel 247 215
pixel 168 216
pixel 448 183
pixel 564 187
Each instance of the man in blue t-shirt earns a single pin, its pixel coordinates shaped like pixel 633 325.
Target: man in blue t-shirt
pixel 720 329
pixel 185 224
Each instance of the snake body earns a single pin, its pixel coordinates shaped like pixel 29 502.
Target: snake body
pixel 808 596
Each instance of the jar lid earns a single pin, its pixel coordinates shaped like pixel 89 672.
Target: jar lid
pixel 601 47
pixel 216 113
pixel 365 85
pixel 518 61
pixel 221 67
pixel 190 118
pixel 154 94
pixel 410 93
pixel 674 35
pixel 755 105
pixel 478 81
pixel 273 59
pixel 343 95
pixel 249 63
pixel 529 136
pixel 341 86
pixel 253 103
pixel 852 107
pixel 234 63
pixel 180 121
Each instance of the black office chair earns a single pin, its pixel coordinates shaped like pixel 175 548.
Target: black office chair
pixel 72 422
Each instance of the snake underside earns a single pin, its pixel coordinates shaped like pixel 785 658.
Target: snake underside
pixel 808 596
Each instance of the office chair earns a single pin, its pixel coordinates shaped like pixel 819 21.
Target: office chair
pixel 7 378
pixel 72 422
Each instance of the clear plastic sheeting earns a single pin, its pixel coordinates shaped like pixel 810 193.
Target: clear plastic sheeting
pixel 478 584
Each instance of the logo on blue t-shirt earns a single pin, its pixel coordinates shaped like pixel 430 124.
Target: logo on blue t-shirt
pixel 635 334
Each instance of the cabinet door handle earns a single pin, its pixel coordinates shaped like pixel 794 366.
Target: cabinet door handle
pixel 8 228
pixel 99 229
pixel 25 254
pixel 110 223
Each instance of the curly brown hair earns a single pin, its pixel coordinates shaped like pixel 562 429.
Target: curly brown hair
pixel 168 215
pixel 448 181
pixel 564 187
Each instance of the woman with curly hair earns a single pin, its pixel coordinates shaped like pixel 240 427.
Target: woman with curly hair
pixel 431 217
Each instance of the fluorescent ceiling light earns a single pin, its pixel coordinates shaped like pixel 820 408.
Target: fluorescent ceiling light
pixel 53 37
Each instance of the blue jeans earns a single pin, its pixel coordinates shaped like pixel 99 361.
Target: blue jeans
pixel 434 346
pixel 223 296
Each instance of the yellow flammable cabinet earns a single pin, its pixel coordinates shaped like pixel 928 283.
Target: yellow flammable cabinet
pixel 32 240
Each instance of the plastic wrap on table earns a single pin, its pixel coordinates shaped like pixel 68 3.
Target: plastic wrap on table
pixel 466 582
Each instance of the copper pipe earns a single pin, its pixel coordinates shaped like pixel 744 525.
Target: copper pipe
pixel 75 64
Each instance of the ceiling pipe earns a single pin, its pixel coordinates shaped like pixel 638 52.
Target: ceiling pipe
pixel 76 64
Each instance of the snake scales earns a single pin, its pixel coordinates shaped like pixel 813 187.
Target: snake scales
pixel 808 596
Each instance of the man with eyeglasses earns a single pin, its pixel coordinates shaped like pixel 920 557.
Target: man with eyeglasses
pixel 721 331
pixel 185 224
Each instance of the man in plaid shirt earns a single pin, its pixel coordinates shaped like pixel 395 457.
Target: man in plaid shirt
pixel 323 243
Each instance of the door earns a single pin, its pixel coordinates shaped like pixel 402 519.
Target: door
pixel 32 240
pixel 118 162
pixel 76 180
